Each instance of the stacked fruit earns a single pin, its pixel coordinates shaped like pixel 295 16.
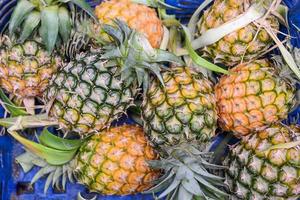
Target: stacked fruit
pixel 86 70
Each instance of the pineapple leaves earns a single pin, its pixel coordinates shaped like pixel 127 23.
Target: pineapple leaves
pixel 31 22
pixel 52 156
pixel 183 193
pixel 10 106
pixel 65 25
pixel 48 139
pixel 50 17
pixel 196 58
pixel 84 6
pixel 50 26
pixel 187 176
pixel 22 9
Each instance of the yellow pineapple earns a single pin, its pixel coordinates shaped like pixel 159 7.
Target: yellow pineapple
pixel 114 162
pixel 244 44
pixel 253 96
pixel 137 16
pixel 111 162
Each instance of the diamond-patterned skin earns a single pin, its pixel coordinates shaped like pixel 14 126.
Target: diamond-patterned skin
pixel 185 110
pixel 25 69
pixel 137 16
pixel 255 173
pixel 115 161
pixel 242 45
pixel 252 96
pixel 87 95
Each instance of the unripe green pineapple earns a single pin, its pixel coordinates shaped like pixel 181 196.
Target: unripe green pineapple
pixel 182 110
pixel 265 165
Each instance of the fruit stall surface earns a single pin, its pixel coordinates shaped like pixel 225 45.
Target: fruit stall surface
pixel 16 185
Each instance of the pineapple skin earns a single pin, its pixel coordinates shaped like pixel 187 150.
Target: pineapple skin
pixel 137 16
pixel 86 95
pixel 26 69
pixel 242 45
pixel 183 111
pixel 114 162
pixel 253 174
pixel 251 97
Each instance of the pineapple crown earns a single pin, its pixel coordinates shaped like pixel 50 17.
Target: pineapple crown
pixel 187 175
pixel 54 155
pixel 133 53
pixel 51 19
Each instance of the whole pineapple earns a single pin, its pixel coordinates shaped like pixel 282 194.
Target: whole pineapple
pixel 183 109
pixel 115 161
pixel 265 165
pixel 137 16
pixel 26 69
pixel 180 119
pixel 252 96
pixel 242 45
pixel 87 95
pixel 98 86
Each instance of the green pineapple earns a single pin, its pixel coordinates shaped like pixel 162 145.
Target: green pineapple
pixel 265 165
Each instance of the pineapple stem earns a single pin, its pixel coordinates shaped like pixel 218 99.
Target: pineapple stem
pixel 23 122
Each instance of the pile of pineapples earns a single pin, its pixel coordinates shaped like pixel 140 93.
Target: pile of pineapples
pixel 79 69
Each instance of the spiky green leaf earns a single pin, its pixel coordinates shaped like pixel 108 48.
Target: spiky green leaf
pixel 199 60
pixel 84 6
pixel 52 156
pixel 65 25
pixel 10 106
pixel 162 184
pixel 48 139
pixel 50 26
pixel 184 194
pixel 31 22
pixel 209 186
pixel 171 188
pixel 192 186
pixel 22 9
pixel 48 182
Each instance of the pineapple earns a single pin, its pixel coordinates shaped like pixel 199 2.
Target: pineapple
pixel 113 162
pixel 180 119
pixel 253 96
pixel 97 87
pixel 25 69
pixel 265 165
pixel 182 110
pixel 244 44
pixel 137 16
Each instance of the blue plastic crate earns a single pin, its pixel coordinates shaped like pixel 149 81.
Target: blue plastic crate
pixel 13 181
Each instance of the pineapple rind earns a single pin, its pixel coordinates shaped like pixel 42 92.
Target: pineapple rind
pixel 252 97
pixel 184 110
pixel 87 95
pixel 26 69
pixel 252 174
pixel 114 161
pixel 244 44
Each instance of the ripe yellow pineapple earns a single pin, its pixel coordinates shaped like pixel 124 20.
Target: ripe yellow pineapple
pixel 253 96
pixel 26 69
pixel 137 16
pixel 241 45
pixel 114 162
